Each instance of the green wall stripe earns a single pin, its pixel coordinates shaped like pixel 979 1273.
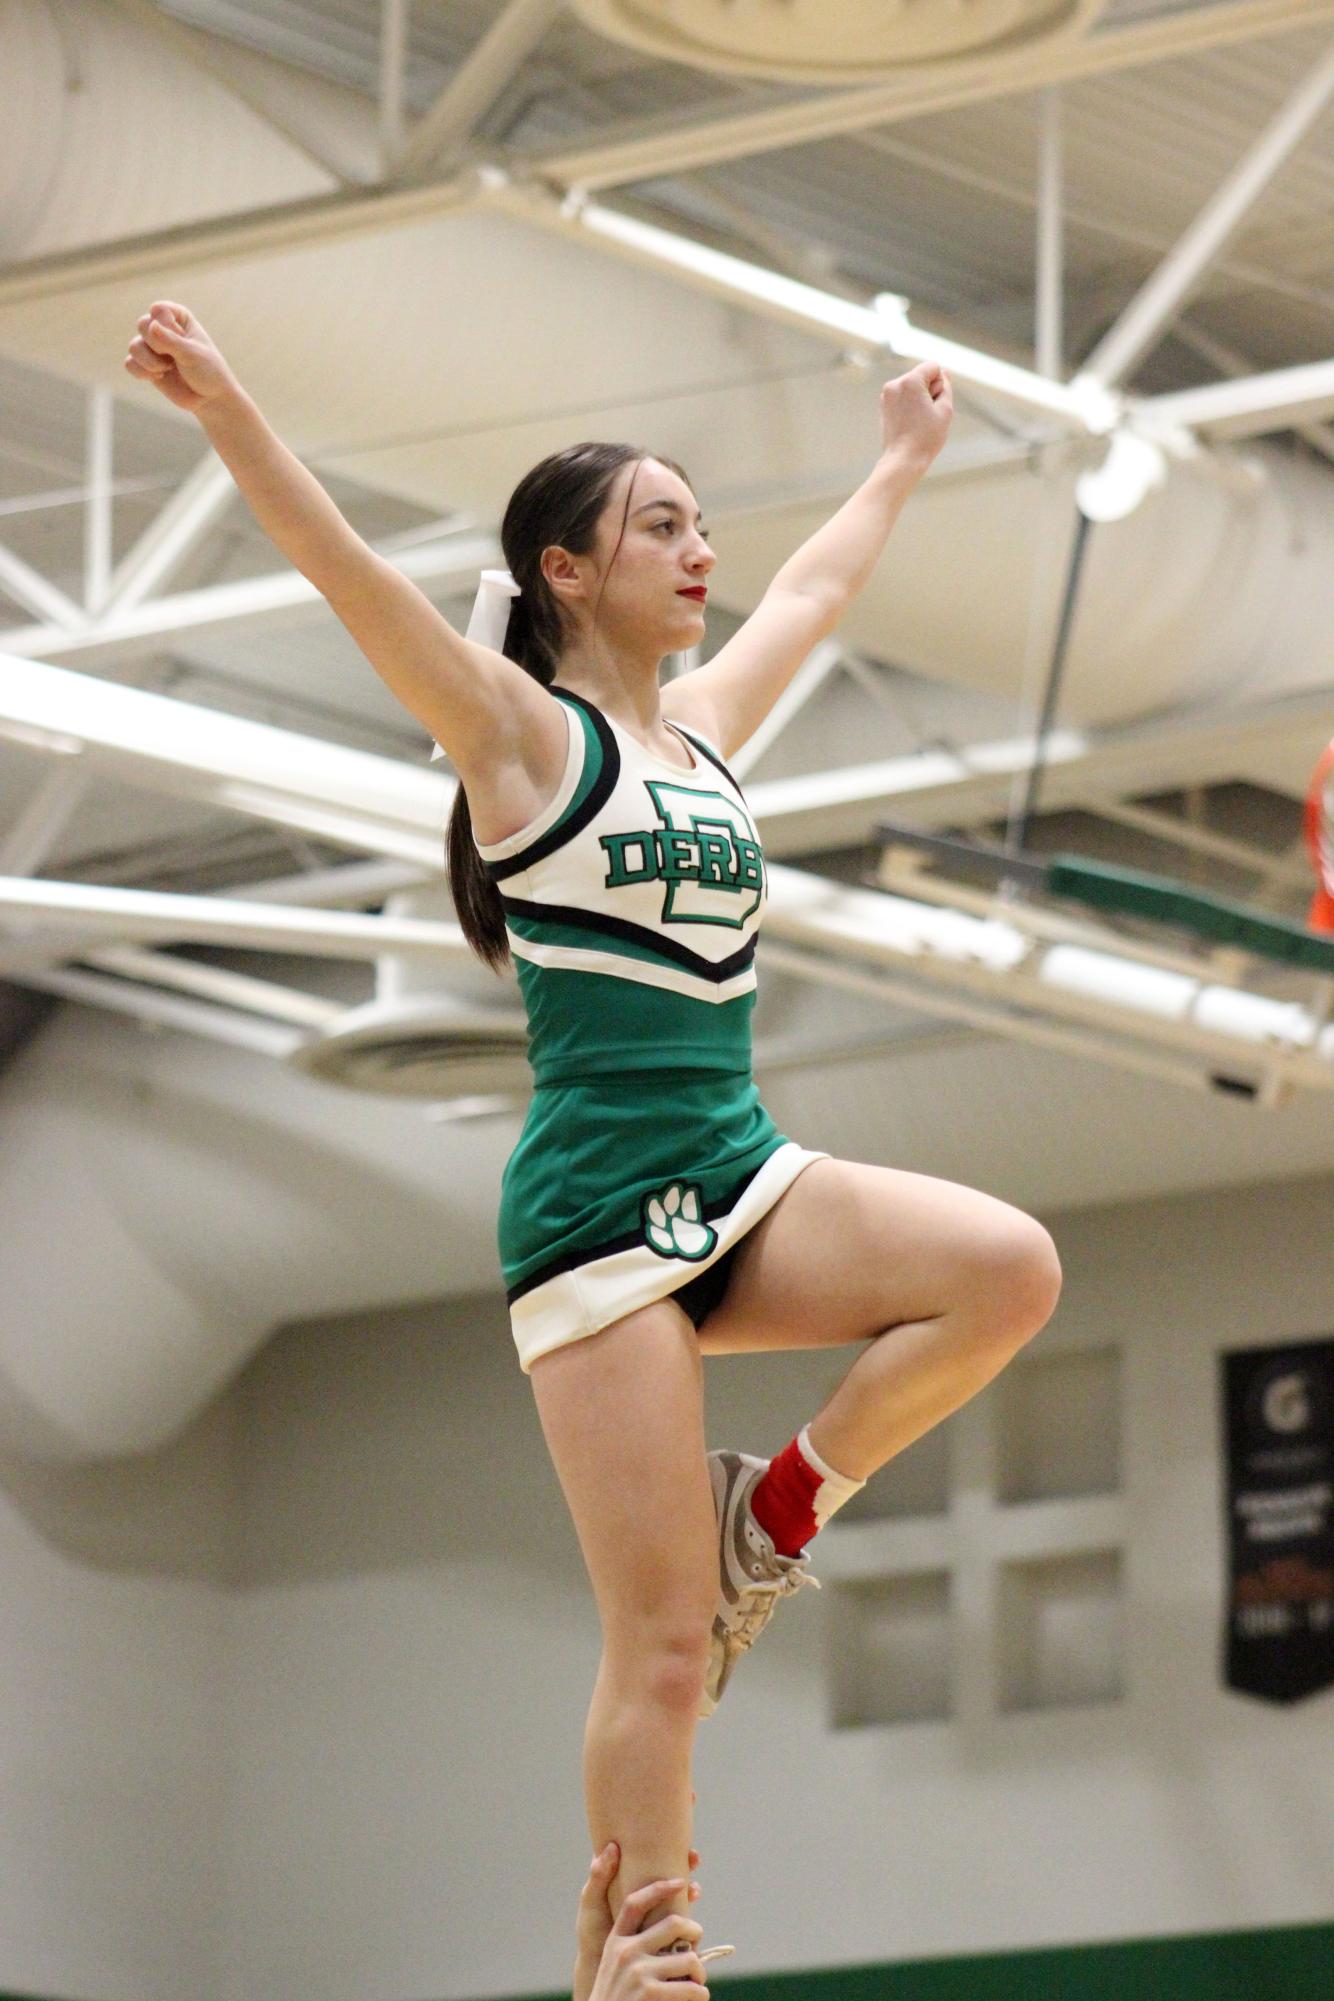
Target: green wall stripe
pixel 1292 1963
pixel 1288 1963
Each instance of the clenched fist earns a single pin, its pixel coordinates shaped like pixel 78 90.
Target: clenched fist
pixel 173 352
pixel 916 411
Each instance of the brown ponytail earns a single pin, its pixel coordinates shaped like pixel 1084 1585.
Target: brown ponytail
pixel 559 503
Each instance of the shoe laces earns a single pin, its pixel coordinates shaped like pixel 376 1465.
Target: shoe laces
pixel 752 1618
pixel 713 1951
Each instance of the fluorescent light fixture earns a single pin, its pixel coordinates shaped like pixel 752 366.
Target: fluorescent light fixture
pixel 883 326
pixel 1155 990
pixel 1091 407
pixel 1116 487
pixel 806 304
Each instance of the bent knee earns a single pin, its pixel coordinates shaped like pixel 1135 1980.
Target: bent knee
pixel 1023 1277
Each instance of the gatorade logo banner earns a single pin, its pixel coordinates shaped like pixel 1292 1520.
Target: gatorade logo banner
pixel 1279 1421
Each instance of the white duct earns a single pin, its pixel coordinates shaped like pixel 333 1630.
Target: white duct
pixel 74 82
pixel 167 1203
pixel 1221 582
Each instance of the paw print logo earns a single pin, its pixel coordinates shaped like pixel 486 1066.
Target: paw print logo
pixel 673 1225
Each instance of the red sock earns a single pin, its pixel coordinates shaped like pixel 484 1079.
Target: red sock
pixel 798 1494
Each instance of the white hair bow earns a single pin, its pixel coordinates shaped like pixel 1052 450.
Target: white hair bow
pixel 490 616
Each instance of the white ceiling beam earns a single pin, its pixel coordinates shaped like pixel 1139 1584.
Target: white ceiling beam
pixel 1151 312
pixel 26 587
pixel 266 998
pixel 839 808
pixel 73 496
pixel 906 872
pixel 393 65
pixel 812 674
pixel 250 601
pixel 25 844
pixel 1198 840
pixel 676 147
pixel 1230 363
pixel 660 146
pixel 278 768
pixel 197 504
pixel 347 884
pixel 1116 229
pixel 229 239
pixel 949 956
pixel 987 1017
pixel 477 84
pixel 278 1042
pixel 160 1010
pixel 385 807
pixel 1049 332
pixel 154 916
pixel 1249 408
pixel 97 505
pixel 281 596
pixel 996 959
pixel 364 801
pixel 342 884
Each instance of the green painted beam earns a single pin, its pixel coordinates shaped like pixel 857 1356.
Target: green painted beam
pixel 1158 898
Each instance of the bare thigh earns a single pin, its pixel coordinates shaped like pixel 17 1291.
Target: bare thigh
pixel 850 1250
pixel 622 1412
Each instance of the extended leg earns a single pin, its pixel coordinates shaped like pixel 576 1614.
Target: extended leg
pixel 623 1418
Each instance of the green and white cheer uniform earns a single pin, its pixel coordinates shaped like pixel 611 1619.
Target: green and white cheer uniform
pixel 631 905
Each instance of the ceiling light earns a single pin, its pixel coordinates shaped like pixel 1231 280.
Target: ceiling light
pixel 808 42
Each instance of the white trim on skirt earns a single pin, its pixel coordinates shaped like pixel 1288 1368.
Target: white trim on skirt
pixel 583 1300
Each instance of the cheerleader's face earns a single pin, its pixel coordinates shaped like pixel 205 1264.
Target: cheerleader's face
pixel 638 583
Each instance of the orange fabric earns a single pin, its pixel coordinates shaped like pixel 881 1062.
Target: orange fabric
pixel 1320 840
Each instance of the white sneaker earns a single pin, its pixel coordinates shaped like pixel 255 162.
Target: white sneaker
pixel 753 1575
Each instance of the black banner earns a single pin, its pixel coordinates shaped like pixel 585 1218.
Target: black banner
pixel 1279 1419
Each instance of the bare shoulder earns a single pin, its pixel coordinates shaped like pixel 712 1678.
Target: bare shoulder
pixel 512 775
pixel 685 701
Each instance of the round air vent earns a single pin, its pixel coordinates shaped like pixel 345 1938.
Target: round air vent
pixel 421 1046
pixel 828 41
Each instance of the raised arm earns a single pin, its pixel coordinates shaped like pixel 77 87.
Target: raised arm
pixel 480 707
pixel 731 694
